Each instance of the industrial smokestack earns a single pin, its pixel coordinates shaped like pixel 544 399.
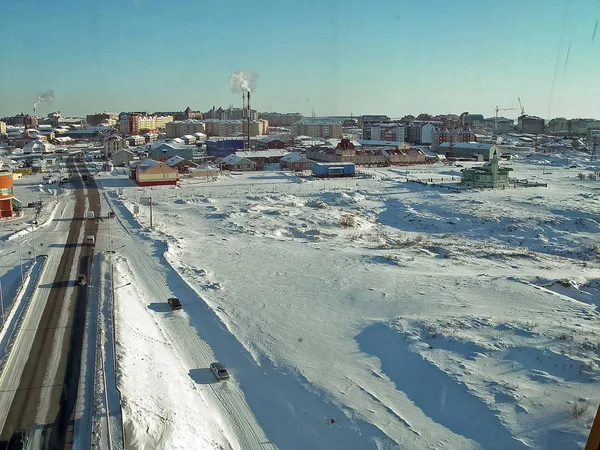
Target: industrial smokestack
pixel 248 120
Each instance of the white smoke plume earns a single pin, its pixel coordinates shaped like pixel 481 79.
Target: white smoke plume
pixel 243 81
pixel 44 97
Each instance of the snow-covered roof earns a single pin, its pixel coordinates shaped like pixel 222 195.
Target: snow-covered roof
pixel 174 160
pixel 146 164
pixel 262 153
pixel 467 145
pixel 235 159
pixel 38 146
pixel 374 143
pixel 295 157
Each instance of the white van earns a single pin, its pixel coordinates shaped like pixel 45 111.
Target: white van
pixel 90 239
pixel 91 215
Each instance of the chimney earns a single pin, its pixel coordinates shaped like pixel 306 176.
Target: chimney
pixel 248 121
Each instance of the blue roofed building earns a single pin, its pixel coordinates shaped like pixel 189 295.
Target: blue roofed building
pixel 222 147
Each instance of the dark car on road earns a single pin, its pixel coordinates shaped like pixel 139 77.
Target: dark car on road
pixel 81 280
pixel 174 303
pixel 219 370
pixel 18 441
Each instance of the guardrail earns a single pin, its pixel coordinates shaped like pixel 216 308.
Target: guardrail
pixel 27 282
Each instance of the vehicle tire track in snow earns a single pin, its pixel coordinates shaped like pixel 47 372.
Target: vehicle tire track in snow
pixel 189 346
pixel 444 400
pixel 388 409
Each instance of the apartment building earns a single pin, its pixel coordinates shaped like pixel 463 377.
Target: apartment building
pixel 257 127
pixel 136 123
pixel 94 120
pixel 391 131
pixel 183 127
pixel 530 124
pixel 222 128
pixel 2 128
pixel 281 120
pixel 442 134
pixel 112 144
pixel 317 128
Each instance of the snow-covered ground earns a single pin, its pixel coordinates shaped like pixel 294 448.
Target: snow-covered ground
pixel 361 313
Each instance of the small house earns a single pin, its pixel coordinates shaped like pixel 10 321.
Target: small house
pixel 235 162
pixel 149 172
pixel 296 162
pixel 122 157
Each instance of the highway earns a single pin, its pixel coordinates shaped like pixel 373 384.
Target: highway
pixel 43 403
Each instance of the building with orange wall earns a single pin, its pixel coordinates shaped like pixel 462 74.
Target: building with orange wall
pixel 6 194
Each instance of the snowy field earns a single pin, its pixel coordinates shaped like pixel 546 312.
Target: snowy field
pixel 361 313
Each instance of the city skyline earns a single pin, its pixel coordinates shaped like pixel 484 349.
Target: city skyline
pixel 336 59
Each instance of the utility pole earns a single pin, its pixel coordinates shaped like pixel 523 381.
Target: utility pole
pixel 1 303
pixel 150 211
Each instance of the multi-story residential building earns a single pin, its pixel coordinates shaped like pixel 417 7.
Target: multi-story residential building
pixel 21 120
pixel 100 118
pixel 257 127
pixel 530 124
pixel 317 128
pixel 230 113
pixel 419 132
pixel 135 123
pixel 471 120
pixel 113 143
pixel 223 128
pixel 368 122
pixel 500 125
pixel 378 118
pixel 593 137
pixel 182 127
pixel 442 134
pixel 2 128
pixel 280 120
pixel 558 125
pixel 392 131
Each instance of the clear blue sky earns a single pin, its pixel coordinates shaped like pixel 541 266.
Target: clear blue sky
pixel 337 57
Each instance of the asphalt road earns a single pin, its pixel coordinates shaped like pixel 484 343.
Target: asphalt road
pixel 61 386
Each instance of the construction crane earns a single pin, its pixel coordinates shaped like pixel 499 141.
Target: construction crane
pixel 496 116
pixel 521 105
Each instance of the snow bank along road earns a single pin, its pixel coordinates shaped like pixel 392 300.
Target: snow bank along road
pixel 40 378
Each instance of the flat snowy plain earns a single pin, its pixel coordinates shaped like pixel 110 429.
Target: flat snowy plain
pixel 360 313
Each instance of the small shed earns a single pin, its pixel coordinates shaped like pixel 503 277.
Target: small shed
pixel 333 169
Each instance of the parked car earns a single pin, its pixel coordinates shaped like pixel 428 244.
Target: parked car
pixel 18 441
pixel 220 371
pixel 174 303
pixel 82 280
